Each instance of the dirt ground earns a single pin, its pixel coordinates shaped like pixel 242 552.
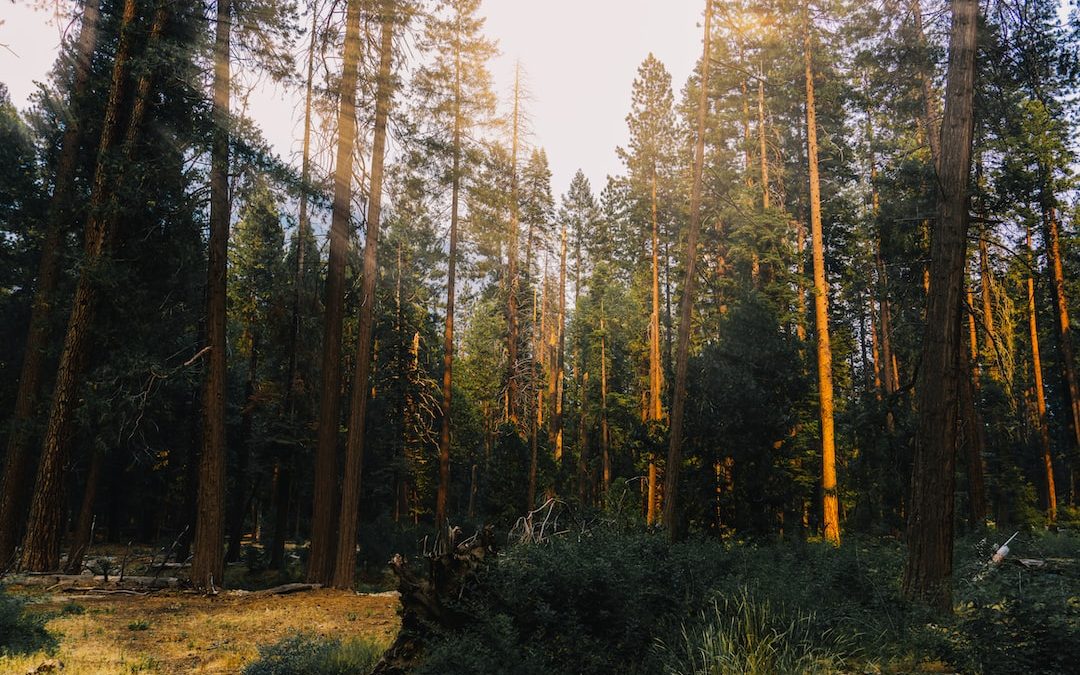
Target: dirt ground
pixel 176 632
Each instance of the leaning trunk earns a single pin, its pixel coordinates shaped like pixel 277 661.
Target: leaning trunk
pixel 19 462
pixel 686 303
pixel 345 564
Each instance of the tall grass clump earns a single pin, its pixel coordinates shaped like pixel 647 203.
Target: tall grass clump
pixel 741 635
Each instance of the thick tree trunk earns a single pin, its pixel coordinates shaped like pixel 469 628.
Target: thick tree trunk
pixel 345 564
pixel 830 506
pixel 41 546
pixel 928 569
pixel 686 302
pixel 321 563
pixel 19 461
pixel 208 565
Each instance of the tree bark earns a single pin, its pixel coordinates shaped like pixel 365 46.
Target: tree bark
pixel 512 267
pixel 208 565
pixel 1040 395
pixel 345 564
pixel 321 563
pixel 448 331
pixel 18 460
pixel 84 529
pixel 1061 308
pixel 830 506
pixel 41 546
pixel 686 302
pixel 928 568
pixel 283 466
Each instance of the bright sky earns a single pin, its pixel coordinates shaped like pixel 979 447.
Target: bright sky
pixel 580 58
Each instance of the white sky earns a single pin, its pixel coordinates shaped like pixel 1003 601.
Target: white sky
pixel 580 58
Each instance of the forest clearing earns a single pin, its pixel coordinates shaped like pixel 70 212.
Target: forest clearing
pixel 427 337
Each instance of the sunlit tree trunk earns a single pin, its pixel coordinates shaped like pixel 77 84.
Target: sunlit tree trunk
pixel 512 266
pixel 928 569
pixel 208 565
pixel 1040 396
pixel 1061 308
pixel 41 545
pixel 560 357
pixel 323 538
pixel 18 463
pixel 345 564
pixel 830 506
pixel 763 148
pixel 605 434
pixel 686 303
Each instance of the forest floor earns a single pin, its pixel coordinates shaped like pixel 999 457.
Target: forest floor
pixel 176 632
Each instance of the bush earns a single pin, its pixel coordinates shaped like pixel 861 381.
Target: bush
pixel 309 654
pixel 20 632
pixel 743 636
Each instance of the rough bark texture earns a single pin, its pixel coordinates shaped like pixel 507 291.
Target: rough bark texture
pixel 345 563
pixel 19 461
pixel 686 302
pixel 429 600
pixel 208 565
pixel 41 546
pixel 321 564
pixel 928 569
pixel 830 506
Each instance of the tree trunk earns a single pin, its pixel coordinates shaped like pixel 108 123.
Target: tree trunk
pixel 656 370
pixel 345 565
pixel 208 565
pixel 41 546
pixel 19 462
pixel 1040 395
pixel 283 465
pixel 321 563
pixel 84 529
pixel 763 154
pixel 512 268
pixel 560 360
pixel 830 506
pixel 240 488
pixel 928 569
pixel 605 434
pixel 686 302
pixel 448 332
pixel 1061 308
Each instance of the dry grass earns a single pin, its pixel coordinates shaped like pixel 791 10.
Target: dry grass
pixel 172 632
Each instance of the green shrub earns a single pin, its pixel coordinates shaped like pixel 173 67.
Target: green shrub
pixel 20 632
pixel 309 654
pixel 743 636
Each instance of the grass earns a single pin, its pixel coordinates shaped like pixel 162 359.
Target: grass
pixel 191 633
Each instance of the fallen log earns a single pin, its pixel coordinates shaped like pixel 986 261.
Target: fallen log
pixel 284 589
pixel 426 599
